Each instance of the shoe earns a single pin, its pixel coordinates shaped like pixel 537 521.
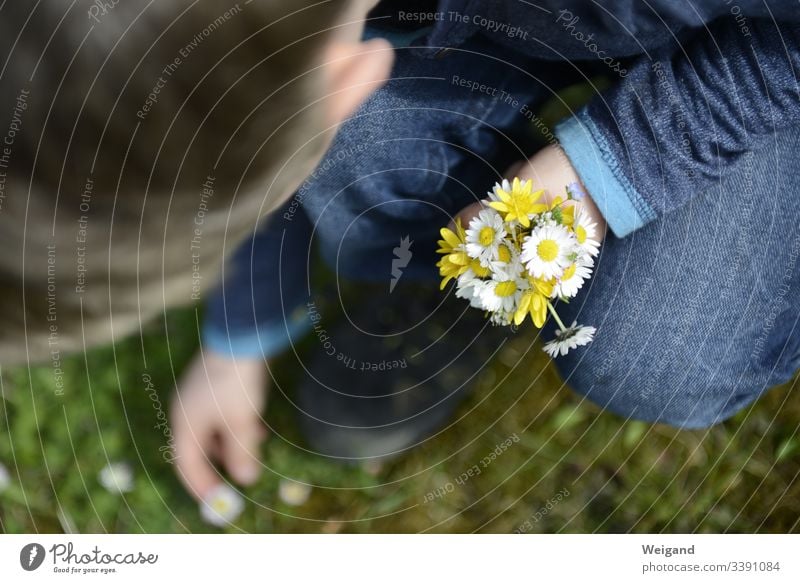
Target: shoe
pixel 392 372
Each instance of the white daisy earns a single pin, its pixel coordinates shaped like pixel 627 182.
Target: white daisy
pixel 569 338
pixel 502 293
pixel 221 506
pixel 484 235
pixel 468 283
pixel 5 478
pixel 116 477
pixel 546 218
pixel 546 251
pixel 469 288
pixel 492 194
pixel 501 318
pixel 586 233
pixel 293 493
pixel 473 273
pixel 572 279
pixel 507 262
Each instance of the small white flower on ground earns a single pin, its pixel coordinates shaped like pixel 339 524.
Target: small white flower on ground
pixel 546 251
pixel 484 235
pixel 293 493
pixel 5 478
pixel 221 506
pixel 570 338
pixel 116 477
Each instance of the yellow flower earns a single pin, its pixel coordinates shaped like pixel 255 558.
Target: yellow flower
pixel 519 203
pixel 478 269
pixel 455 260
pixel 534 302
pixel 503 254
pixel 453 265
pixel 450 240
pixel 458 263
pixel 580 234
pixel 567 212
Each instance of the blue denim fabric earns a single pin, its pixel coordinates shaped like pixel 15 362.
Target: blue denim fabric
pixel 412 156
pixel 623 208
pixel 549 29
pixel 695 85
pixel 698 312
pixel 677 124
pixel 257 310
pixel 695 319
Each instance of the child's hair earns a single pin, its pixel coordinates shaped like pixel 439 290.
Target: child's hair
pixel 138 142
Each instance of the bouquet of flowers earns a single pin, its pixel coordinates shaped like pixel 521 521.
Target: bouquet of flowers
pixel 519 256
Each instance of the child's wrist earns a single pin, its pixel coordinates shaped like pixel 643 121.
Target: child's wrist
pixel 551 170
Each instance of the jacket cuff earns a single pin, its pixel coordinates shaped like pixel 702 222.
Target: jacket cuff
pixel 622 207
pixel 263 341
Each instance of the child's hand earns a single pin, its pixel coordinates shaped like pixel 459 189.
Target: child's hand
pixel 216 417
pixel 551 170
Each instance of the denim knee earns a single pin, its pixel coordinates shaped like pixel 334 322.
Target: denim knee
pixel 663 388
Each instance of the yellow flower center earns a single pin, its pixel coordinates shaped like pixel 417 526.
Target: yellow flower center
pixel 221 506
pixel 580 234
pixel 547 250
pixel 479 269
pixel 503 254
pixel 486 236
pixel 505 289
pixel 568 272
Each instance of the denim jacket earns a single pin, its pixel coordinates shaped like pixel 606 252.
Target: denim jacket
pixel 695 85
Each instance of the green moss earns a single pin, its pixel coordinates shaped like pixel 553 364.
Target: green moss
pixel 619 476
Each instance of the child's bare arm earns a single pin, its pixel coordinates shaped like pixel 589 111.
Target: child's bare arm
pixel 216 419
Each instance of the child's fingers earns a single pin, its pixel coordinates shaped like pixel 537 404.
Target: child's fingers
pixel 192 459
pixel 241 453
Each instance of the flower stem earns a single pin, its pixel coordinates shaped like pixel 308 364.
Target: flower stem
pixel 555 316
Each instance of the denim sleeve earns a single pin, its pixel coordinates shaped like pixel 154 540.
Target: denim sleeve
pixel 682 117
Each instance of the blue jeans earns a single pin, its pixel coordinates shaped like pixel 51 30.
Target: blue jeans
pixel 696 313
pixel 418 151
